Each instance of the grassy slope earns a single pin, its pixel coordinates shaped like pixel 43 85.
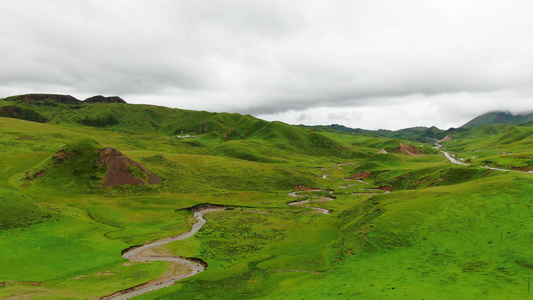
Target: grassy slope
pixel 469 236
pixel 498 117
pixel 147 119
pixel 498 145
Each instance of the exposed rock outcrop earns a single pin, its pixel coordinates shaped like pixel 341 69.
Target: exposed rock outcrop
pixel 102 99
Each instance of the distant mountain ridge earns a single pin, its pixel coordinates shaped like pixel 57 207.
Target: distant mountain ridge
pixel 66 99
pixel 425 134
pixel 502 117
pixel 114 114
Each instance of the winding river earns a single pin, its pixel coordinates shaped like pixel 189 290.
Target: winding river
pixel 136 255
pixel 304 202
pixel 142 253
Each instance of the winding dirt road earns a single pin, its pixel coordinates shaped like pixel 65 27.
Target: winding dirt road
pixel 137 255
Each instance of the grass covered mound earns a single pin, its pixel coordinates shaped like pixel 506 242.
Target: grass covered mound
pixel 84 163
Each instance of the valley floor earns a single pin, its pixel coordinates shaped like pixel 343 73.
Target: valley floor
pixel 294 226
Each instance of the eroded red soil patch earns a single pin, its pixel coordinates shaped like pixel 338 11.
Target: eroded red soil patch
pixel 123 170
pixel 408 149
pixel 362 175
pixel 303 188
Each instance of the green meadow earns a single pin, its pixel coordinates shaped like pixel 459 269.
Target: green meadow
pixel 445 231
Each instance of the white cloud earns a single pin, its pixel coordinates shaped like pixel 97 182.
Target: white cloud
pixel 271 58
pixel 443 111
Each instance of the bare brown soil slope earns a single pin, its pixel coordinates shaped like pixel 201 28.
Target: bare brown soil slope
pixel 123 170
pixel 362 175
pixel 446 138
pixel 408 149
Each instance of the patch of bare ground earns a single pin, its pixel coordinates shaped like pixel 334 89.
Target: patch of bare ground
pixel 385 188
pixel 407 149
pixel 120 169
pixel 361 175
pixel 303 188
pixel 61 154
pixel 525 169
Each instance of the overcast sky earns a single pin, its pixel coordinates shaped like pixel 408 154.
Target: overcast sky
pixel 364 64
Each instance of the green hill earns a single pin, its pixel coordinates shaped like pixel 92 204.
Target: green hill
pixel 311 213
pixel 420 133
pixel 499 117
pixel 113 114
pixel 86 164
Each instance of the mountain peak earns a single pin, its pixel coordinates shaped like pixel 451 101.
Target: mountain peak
pixel 504 117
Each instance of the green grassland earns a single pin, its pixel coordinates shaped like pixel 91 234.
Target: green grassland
pixel 496 145
pixel 444 232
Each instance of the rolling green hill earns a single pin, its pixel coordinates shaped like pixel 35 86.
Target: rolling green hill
pixel 397 226
pixel 429 134
pixel 499 117
pixel 496 145
pixel 115 115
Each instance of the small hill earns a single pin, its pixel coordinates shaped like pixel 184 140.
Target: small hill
pixel 84 163
pixel 499 117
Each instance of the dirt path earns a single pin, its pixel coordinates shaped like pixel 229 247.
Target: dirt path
pixel 140 254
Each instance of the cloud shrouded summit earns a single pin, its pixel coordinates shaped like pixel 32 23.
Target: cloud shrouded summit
pixel 370 64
